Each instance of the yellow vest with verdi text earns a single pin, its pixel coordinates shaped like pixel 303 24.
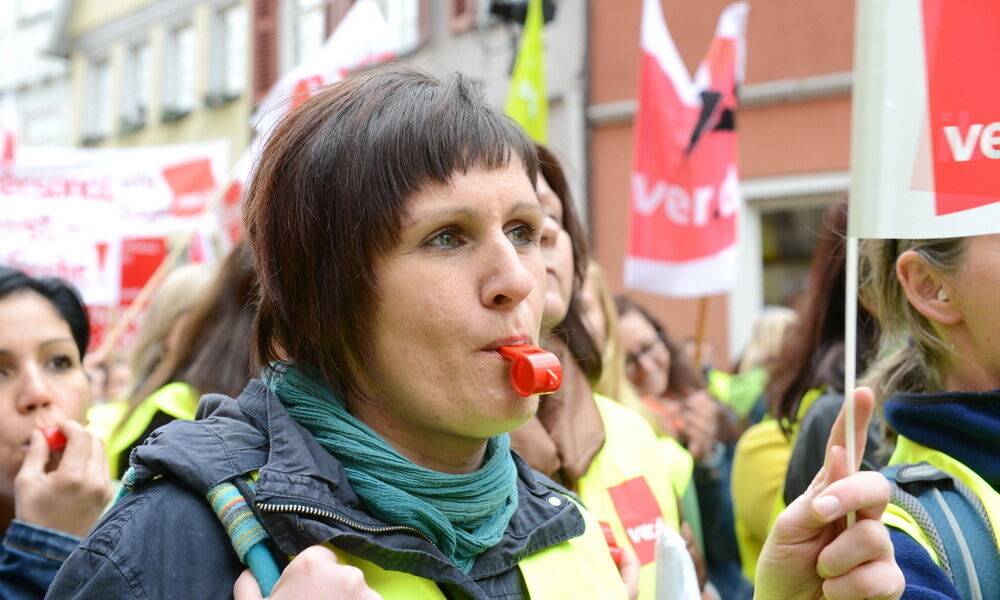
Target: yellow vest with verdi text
pixel 630 487
pixel 577 568
pixel 908 451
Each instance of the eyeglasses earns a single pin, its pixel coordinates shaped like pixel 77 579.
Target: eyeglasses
pixel 632 358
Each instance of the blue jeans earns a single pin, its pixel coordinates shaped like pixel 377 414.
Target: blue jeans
pixel 29 559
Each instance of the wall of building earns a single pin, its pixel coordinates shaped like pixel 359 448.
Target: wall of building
pixel 38 81
pixel 98 35
pixel 794 128
pixel 486 49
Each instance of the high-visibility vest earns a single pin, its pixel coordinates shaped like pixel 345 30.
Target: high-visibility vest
pixel 682 477
pixel 760 487
pixel 908 451
pixel 577 568
pixel 102 418
pixel 629 486
pixel 179 400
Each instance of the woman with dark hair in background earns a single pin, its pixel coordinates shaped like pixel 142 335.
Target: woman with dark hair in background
pixel 49 497
pixel 805 393
pixel 812 358
pixel 395 229
pixel 586 442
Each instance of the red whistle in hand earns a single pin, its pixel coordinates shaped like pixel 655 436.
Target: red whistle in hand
pixel 533 370
pixel 55 438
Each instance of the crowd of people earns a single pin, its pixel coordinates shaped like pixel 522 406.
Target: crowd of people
pixel 327 411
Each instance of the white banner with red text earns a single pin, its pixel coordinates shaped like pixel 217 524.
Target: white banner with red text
pixel 102 218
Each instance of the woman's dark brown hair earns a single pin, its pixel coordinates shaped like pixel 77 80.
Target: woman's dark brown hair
pixel 572 330
pixel 683 379
pixel 812 355
pixel 330 195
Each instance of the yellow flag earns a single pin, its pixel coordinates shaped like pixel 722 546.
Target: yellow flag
pixel 527 100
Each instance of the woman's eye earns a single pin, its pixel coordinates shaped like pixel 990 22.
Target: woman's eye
pixel 522 235
pixel 61 362
pixel 446 239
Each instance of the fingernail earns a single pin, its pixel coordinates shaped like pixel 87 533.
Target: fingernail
pixel 826 507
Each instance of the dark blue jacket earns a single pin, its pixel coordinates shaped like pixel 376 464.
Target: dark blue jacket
pixel 164 541
pixel 963 425
pixel 29 558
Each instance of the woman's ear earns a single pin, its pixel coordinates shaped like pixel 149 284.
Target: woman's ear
pixel 926 289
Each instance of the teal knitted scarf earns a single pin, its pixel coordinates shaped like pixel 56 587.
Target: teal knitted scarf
pixel 463 515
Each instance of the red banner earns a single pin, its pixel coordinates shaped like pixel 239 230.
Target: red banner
pixel 685 187
pixel 962 48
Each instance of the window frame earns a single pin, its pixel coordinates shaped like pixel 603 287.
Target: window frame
pixel 219 92
pixel 173 107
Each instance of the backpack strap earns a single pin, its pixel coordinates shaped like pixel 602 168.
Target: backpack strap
pixel 955 522
pixel 246 533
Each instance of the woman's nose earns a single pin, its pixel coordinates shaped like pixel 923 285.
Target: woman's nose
pixel 508 280
pixel 550 230
pixel 35 392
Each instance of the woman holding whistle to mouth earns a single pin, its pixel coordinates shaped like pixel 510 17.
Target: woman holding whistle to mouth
pixel 54 480
pixel 396 231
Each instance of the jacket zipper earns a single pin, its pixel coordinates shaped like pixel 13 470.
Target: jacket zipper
pixel 325 514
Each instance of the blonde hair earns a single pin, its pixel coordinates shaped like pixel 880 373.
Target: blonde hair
pixel 912 355
pixel 766 338
pixel 614 382
pixel 178 292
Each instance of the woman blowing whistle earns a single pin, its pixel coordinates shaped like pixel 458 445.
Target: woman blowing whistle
pixel 395 228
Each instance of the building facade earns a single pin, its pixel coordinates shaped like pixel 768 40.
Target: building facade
pixel 149 72
pixel 167 71
pixel 39 82
pixel 450 35
pixel 794 133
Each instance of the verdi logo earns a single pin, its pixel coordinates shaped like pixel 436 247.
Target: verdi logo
pixel 640 516
pixel 961 50
pixel 963 145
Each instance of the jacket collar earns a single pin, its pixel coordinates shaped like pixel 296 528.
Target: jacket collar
pixel 963 425
pixel 304 498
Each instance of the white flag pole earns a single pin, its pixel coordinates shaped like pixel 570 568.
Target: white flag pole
pixel 850 350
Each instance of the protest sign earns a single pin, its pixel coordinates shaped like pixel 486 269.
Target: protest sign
pixel 684 185
pixel 101 218
pixel 925 155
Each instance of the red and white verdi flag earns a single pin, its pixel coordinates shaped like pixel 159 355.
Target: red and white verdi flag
pixel 685 188
pixel 925 155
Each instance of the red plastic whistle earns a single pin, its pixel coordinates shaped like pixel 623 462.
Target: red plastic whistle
pixel 533 370
pixel 54 437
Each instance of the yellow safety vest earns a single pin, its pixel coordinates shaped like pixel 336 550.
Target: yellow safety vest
pixel 761 486
pixel 908 451
pixel 102 418
pixel 577 568
pixel 629 486
pixel 179 400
